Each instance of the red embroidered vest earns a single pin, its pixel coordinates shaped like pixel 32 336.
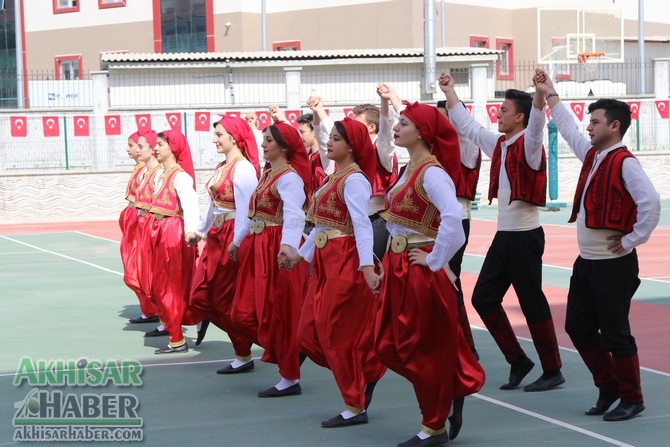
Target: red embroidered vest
pixel 220 186
pixel 383 179
pixel 467 180
pixel 134 181
pixel 526 183
pixel 328 206
pixel 607 203
pixel 318 173
pixel 166 200
pixel 265 202
pixel 409 205
pixel 145 192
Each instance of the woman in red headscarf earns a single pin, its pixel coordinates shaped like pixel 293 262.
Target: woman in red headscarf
pixel 128 223
pixel 174 211
pixel 224 227
pixel 337 323
pixel 417 332
pixel 146 143
pixel 268 299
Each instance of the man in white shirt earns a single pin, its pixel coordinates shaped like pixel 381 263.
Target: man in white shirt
pixel 616 208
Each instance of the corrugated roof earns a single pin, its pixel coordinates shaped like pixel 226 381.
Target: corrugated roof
pixel 251 56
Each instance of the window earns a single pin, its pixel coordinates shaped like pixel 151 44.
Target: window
pixel 102 4
pixel 479 42
pixel 68 67
pixel 61 6
pixel 183 26
pixel 288 45
pixel 505 67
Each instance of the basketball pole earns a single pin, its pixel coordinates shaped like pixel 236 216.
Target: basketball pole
pixel 640 45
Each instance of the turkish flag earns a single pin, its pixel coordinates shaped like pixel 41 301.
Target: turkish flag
pixel 143 121
pixel 19 126
pixel 264 119
pixel 50 126
pixel 81 125
pixel 292 117
pixel 174 120
pixel 112 124
pixel 233 114
pixel 634 109
pixel 348 112
pixel 663 107
pixel 578 110
pixel 202 121
pixel 469 107
pixel 492 111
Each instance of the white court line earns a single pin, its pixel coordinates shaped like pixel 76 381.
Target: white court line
pixel 97 237
pixel 552 421
pixel 104 269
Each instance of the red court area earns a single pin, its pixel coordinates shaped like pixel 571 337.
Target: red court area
pixel 649 321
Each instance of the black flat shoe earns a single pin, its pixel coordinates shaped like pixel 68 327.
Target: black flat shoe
pixel 517 372
pixel 137 320
pixel 293 390
pixel 156 333
pixel 171 350
pixel 456 419
pixel 247 367
pixel 201 333
pixel 433 441
pixel 623 412
pixel 604 402
pixel 339 421
pixel 546 382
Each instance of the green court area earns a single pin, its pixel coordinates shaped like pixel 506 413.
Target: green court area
pixel 63 298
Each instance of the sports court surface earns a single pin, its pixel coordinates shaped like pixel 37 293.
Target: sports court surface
pixel 63 298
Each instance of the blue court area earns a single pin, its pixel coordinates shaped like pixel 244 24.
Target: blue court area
pixel 63 298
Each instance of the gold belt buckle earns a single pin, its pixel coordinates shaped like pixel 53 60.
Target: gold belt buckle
pixel 258 226
pixel 398 243
pixel 143 212
pixel 159 216
pixel 219 219
pixel 321 239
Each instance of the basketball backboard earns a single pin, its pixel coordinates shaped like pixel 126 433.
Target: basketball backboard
pixel 564 34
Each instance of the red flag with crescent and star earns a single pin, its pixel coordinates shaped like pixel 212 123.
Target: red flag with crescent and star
pixel 264 119
pixel 292 117
pixel 348 112
pixel 578 110
pixel 202 121
pixel 112 124
pixel 174 120
pixel 143 121
pixel 50 126
pixel 492 111
pixel 18 126
pixel 663 107
pixel 634 109
pixel 81 125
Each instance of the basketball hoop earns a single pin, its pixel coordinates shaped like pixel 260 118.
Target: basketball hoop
pixel 590 61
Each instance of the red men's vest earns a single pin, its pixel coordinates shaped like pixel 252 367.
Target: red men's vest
pixel 467 180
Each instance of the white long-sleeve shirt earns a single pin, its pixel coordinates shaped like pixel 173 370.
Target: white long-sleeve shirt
pixel 244 184
pixel 357 192
pixel 188 198
pixel 292 193
pixel 517 215
pixel 450 237
pixel 593 242
pixel 322 135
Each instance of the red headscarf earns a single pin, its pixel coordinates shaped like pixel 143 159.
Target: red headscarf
pixel 297 155
pixel 150 136
pixel 135 137
pixel 364 151
pixel 440 135
pixel 244 137
pixel 181 150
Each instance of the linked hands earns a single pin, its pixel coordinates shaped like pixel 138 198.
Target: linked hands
pixel 288 257
pixel 373 280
